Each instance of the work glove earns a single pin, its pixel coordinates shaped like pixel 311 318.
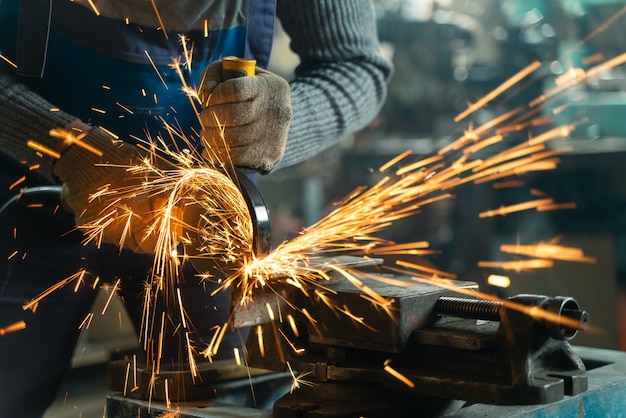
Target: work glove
pixel 246 119
pixel 123 219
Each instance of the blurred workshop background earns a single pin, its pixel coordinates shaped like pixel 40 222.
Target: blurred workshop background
pixel 448 53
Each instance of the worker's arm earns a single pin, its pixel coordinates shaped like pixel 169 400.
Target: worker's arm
pixel 341 82
pixel 24 116
pixel 340 86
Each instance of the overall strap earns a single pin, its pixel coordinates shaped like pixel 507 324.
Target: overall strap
pixel 260 30
pixel 34 29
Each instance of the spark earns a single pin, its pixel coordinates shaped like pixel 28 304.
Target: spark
pixel 519 265
pixel 578 76
pixel 111 294
pixel 158 15
pixel 32 304
pixel 504 210
pixel 292 324
pixel 397 374
pixel 259 334
pixel 169 414
pixel 111 134
pixel 86 322
pixel 16 326
pixel 508 184
pixel 604 26
pixel 544 250
pixel 126 109
pixel 11 63
pixel 69 138
pixel 498 90
pixel 295 349
pixel 17 182
pixel 426 269
pixel 299 380
pixel 42 149
pixel 126 378
pixel 596 57
pixel 156 70
pixel 394 161
pixel 499 280
pixel 94 8
pixel 168 403
pixel 237 356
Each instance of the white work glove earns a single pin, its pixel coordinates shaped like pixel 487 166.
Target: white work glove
pixel 253 113
pixel 84 173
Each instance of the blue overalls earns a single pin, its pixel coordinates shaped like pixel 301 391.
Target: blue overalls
pixel 97 69
pixel 89 62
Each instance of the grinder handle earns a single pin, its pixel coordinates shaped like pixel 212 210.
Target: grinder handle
pixel 234 67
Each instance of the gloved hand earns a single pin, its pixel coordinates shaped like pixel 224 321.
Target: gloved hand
pixel 252 113
pixel 129 220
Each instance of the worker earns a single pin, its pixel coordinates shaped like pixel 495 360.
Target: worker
pixel 102 69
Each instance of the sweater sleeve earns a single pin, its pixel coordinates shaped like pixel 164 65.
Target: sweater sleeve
pixel 24 116
pixel 341 82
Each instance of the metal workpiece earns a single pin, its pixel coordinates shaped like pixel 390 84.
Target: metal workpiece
pixel 276 296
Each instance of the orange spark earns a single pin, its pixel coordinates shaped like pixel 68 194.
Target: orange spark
pixel 505 210
pixel 17 182
pixel 94 8
pixel 43 149
pixel 578 76
pixel 596 57
pixel 33 302
pixel 498 90
pixel 156 11
pixel 259 334
pixel 156 70
pixel 69 138
pixel 508 184
pixel 519 265
pixel 16 326
pixel 551 251
pixel 11 63
pixel 435 272
pixel 397 374
pixel 499 280
pixel 394 161
pixel 557 206
pixel 111 294
pixel 124 108
pixel 86 322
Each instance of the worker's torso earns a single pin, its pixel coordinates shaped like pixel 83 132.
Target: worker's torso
pixel 110 62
